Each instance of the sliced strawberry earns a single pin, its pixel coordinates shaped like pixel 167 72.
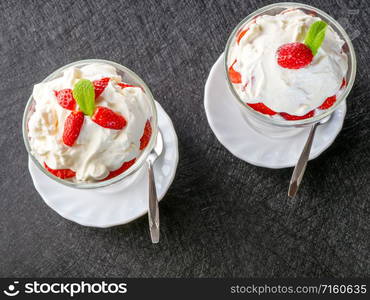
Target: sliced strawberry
pixel 72 127
pixel 100 85
pixel 122 169
pixel 65 99
pixel 294 118
pixel 235 76
pixel 61 173
pixel 241 34
pixel 107 118
pixel 344 83
pixel 262 108
pixel 144 140
pixel 124 85
pixel 328 102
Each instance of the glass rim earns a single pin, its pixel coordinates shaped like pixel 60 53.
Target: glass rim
pixel 314 119
pixel 143 155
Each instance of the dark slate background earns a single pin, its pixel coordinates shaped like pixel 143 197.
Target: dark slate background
pixel 222 217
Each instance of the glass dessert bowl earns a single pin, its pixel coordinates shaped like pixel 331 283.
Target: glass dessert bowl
pixel 276 98
pixel 90 124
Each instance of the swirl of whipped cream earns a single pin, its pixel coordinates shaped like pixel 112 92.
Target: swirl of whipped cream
pixel 293 91
pixel 98 150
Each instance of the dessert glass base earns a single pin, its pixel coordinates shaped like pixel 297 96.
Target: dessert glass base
pixel 118 203
pixel 248 141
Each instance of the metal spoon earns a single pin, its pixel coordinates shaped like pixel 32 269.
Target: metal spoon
pixel 153 211
pixel 300 167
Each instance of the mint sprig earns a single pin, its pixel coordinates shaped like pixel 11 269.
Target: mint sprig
pixel 315 36
pixel 84 94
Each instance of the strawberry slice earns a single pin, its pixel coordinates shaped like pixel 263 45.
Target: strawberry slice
pixel 61 173
pixel 144 140
pixel 240 35
pixel 234 76
pixel 72 127
pixel 328 102
pixel 122 169
pixel 294 118
pixel 107 118
pixel 124 85
pixel 344 83
pixel 262 108
pixel 100 85
pixel 65 99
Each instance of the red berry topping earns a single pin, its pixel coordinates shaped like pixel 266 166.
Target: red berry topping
pixel 72 127
pixel 241 34
pixel 144 140
pixel 61 173
pixel 65 99
pixel 122 169
pixel 294 118
pixel 124 85
pixel 328 102
pixel 107 118
pixel 262 108
pixel 294 56
pixel 344 83
pixel 100 85
pixel 235 76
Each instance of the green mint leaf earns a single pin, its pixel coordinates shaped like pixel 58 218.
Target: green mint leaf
pixel 84 94
pixel 315 36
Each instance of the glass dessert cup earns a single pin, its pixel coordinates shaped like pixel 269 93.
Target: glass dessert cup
pixel 275 127
pixel 129 175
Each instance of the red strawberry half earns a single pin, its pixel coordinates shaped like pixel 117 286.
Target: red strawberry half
pixel 235 76
pixel 262 108
pixel 107 118
pixel 61 173
pixel 65 99
pixel 122 169
pixel 144 140
pixel 100 85
pixel 294 56
pixel 294 118
pixel 72 127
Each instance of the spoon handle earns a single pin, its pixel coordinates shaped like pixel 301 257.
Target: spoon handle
pixel 302 163
pixel 153 212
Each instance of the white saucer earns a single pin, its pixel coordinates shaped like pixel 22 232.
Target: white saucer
pixel 246 143
pixel 112 206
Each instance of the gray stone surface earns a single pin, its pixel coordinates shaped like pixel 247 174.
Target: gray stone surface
pixel 222 217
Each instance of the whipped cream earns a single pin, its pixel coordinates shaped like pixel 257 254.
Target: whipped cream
pixel 293 91
pixel 97 150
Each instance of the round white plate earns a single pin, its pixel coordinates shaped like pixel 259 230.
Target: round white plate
pixel 113 205
pixel 244 142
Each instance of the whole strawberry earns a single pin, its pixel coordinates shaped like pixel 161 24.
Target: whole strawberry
pixel 107 118
pixel 65 99
pixel 72 127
